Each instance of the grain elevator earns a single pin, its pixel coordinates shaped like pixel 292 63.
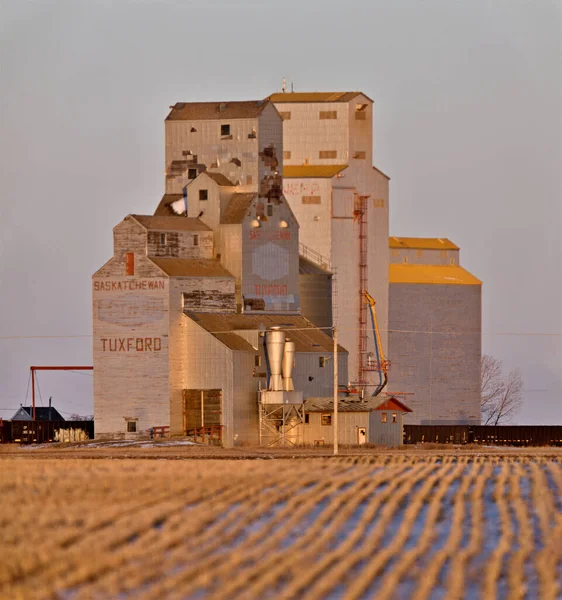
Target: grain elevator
pixel 215 314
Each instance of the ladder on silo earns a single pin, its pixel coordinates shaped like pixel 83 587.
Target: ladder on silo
pixel 360 215
pixel 334 297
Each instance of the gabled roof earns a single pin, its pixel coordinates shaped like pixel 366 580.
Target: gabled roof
pixel 164 208
pixel 433 274
pixel 219 179
pixel 379 171
pixel 315 96
pixel 347 404
pixel 214 111
pixel 422 243
pixel 393 403
pixel 157 223
pixel 355 404
pixel 317 171
pixel 237 208
pixel 224 326
pixel 184 267
pixel 42 413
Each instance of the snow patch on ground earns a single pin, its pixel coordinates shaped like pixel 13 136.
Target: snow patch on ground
pixel 140 444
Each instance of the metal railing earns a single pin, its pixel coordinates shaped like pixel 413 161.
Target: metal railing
pixel 322 261
pixel 209 434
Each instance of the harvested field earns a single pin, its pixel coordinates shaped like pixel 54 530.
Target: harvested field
pixel 379 526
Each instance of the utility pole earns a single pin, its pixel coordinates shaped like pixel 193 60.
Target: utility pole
pixel 335 424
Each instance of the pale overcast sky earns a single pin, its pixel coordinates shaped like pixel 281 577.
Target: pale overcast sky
pixel 468 98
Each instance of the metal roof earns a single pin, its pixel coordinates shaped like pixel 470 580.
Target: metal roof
pixel 347 404
pixel 216 111
pixel 284 97
pixel 158 223
pixel 318 171
pixel 392 403
pixel 435 274
pixel 422 243
pixel 307 267
pixel 355 404
pixel 42 413
pixel 306 336
pixel 237 208
pixel 184 267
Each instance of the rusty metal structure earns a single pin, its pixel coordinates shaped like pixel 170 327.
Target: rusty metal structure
pixel 360 214
pixel 33 370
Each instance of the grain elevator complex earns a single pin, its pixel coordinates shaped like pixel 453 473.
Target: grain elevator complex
pixel 214 315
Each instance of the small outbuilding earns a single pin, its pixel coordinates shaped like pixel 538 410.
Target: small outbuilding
pixel 361 421
pixel 42 413
pixel 387 422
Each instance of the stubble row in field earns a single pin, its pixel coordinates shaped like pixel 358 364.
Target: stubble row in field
pixel 384 527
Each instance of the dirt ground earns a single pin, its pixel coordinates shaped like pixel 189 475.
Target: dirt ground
pixel 180 449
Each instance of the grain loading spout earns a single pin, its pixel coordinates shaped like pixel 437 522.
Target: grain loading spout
pixel 381 364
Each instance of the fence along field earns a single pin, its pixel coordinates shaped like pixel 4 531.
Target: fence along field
pixel 375 527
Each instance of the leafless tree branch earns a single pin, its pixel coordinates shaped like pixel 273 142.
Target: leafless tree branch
pixel 501 397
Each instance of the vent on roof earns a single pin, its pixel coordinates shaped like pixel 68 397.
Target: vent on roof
pixel 222 106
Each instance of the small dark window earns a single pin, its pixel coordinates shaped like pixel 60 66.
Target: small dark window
pixel 307 418
pixel 131 426
pixel 191 173
pixel 383 417
pixel 257 360
pixel 196 240
pixel 130 264
pixel 270 210
pixel 203 194
pixel 163 239
pixel 225 129
pixel 394 418
pixel 322 361
pixel 326 419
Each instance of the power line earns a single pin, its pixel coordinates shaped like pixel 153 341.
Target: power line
pixel 352 329
pixel 41 337
pixel 28 383
pixel 79 373
pixel 38 388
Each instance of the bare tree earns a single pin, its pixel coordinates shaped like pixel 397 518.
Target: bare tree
pixel 501 396
pixel 77 417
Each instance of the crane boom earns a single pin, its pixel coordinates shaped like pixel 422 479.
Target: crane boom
pixel 382 362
